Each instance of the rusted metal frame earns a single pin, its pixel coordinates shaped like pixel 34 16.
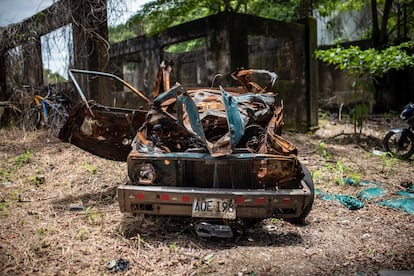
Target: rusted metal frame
pixel 193 116
pixel 207 156
pixel 80 91
pixel 274 144
pixel 157 85
pixel 166 67
pixel 168 96
pixel 272 75
pixel 133 89
pixel 264 98
pixel 244 78
pixel 195 127
pixel 227 143
pixel 276 123
pixel 286 172
pixel 249 103
pixel 163 76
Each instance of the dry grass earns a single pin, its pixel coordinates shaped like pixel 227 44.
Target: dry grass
pixel 42 179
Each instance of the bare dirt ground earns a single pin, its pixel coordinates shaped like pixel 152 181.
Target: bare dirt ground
pixel 43 231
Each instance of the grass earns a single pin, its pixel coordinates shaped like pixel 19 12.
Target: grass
pixel 17 162
pixel 90 168
pixel 322 151
pixel 338 170
pixel 43 236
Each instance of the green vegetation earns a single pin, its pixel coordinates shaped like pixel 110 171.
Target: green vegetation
pixel 371 61
pixel 338 169
pixel 208 259
pixel 389 163
pixel 316 175
pixel 390 22
pixel 274 220
pixel 38 180
pixel 364 66
pixel 82 234
pixel 172 246
pixel 186 46
pixel 41 231
pixel 156 16
pixel 121 32
pixel 7 201
pixel 322 151
pixel 53 77
pixel 325 8
pixel 20 160
pixel 354 176
pixel 287 10
pixel 90 215
pixel 90 168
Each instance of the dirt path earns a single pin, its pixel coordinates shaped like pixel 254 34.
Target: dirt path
pixel 45 183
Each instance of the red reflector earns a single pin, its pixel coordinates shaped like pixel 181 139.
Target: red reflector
pixel 165 197
pixel 286 200
pixel 139 196
pixel 185 198
pixel 239 199
pixel 260 200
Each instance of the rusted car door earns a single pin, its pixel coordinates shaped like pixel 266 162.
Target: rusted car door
pixel 102 130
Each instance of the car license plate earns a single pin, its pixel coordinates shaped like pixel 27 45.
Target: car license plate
pixel 214 208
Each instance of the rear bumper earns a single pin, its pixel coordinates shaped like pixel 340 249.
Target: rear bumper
pixel 177 201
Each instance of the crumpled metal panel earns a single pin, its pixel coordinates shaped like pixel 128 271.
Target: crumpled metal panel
pixel 217 121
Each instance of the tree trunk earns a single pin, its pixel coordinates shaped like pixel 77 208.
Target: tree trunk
pixel 305 7
pixel 375 28
pixel 384 35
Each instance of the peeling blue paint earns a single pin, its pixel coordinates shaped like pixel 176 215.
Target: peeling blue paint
pixel 234 120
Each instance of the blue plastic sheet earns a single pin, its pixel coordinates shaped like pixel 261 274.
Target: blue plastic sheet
pixel 405 201
pixel 348 201
pixel 404 204
pixel 369 183
pixel 371 193
pixel 350 181
pixel 406 193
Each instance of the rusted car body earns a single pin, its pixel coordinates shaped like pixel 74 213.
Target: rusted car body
pixel 206 153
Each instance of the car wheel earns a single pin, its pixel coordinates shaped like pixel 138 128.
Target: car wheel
pixel 306 210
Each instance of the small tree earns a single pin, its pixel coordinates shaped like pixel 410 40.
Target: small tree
pixel 364 66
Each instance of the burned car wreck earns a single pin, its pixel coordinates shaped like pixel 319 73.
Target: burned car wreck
pixel 207 153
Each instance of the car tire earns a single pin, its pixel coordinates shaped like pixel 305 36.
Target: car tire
pixel 306 210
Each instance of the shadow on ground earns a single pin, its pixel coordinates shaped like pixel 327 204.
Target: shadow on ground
pixel 106 196
pixel 165 229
